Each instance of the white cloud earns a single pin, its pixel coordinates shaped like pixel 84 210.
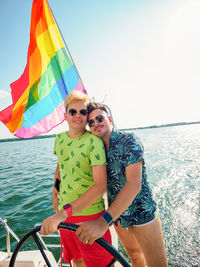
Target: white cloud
pixel 4 94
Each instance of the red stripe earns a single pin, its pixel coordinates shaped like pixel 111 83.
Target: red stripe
pixel 6 114
pixel 19 86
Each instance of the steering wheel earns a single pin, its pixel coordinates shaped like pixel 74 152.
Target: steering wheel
pixel 68 226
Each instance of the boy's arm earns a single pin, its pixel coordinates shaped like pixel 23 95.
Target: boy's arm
pixel 55 192
pixel 50 224
pixel 94 192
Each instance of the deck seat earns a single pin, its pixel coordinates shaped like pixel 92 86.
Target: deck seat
pixel 31 258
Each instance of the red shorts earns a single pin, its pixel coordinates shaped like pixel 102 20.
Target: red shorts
pixel 75 250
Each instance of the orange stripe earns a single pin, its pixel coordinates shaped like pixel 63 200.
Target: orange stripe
pixel 42 48
pixel 39 12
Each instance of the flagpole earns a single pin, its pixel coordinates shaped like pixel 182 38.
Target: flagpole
pixel 65 44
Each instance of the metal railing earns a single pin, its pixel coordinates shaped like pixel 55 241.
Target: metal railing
pixel 49 246
pixel 8 232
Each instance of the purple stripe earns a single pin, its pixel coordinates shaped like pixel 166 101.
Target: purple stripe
pixel 45 125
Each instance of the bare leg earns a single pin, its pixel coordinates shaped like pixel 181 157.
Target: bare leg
pixel 78 263
pixel 151 241
pixel 131 246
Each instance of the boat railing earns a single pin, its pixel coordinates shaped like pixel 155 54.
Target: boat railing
pixel 43 238
pixel 8 232
pixel 49 245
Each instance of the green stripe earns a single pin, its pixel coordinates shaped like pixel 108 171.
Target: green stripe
pixel 56 67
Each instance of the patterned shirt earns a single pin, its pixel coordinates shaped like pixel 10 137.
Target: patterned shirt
pixel 76 156
pixel 126 149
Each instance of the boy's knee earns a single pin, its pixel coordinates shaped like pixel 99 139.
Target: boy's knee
pixel 78 263
pixel 135 255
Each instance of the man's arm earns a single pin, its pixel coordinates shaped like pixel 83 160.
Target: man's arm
pixel 92 230
pixel 50 224
pixel 128 192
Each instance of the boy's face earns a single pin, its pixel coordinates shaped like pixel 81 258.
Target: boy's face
pixel 76 115
pixel 99 123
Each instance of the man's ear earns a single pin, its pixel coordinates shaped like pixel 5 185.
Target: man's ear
pixel 65 114
pixel 110 119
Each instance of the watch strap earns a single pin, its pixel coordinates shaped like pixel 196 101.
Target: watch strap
pixel 68 209
pixel 108 218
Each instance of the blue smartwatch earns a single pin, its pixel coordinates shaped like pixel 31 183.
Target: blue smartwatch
pixel 108 218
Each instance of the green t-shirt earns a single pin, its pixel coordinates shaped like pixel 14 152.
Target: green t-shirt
pixel 76 156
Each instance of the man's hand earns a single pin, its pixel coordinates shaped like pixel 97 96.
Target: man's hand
pixel 89 231
pixel 55 199
pixel 50 225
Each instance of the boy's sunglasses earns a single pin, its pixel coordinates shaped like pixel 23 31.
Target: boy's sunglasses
pixel 98 118
pixel 73 112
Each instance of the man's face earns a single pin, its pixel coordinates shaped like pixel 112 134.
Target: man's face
pixel 76 115
pixel 99 123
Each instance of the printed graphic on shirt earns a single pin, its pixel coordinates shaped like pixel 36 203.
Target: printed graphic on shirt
pixel 76 156
pixel 126 149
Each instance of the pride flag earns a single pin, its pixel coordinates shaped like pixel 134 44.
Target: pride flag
pixel 38 95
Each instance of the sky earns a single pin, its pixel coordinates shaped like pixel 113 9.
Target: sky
pixel 140 57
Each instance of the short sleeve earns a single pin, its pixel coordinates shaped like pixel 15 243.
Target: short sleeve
pixel 133 150
pixel 96 151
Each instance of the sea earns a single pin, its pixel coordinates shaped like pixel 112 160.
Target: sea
pixel 172 156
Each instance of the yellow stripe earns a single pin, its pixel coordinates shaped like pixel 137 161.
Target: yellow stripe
pixel 48 43
pixel 48 15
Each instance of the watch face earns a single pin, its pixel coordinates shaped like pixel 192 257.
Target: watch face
pixel 66 206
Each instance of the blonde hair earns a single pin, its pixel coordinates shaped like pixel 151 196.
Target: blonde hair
pixel 75 96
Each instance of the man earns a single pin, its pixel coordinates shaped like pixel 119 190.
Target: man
pixel 130 200
pixel 82 172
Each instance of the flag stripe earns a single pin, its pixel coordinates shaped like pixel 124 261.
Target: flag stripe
pixel 48 43
pixel 48 122
pixel 48 77
pixel 53 99
pixel 45 125
pixel 52 75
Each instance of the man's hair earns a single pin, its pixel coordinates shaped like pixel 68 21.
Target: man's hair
pixel 94 105
pixel 76 96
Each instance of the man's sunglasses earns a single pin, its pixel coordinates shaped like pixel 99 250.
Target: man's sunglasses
pixel 98 119
pixel 73 112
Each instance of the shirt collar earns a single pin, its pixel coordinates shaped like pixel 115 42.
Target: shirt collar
pixel 114 137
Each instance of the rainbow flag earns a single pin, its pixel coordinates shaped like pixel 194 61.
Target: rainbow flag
pixel 38 95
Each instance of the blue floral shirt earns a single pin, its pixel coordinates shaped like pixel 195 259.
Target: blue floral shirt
pixel 126 149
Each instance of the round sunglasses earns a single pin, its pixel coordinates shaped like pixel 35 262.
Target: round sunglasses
pixel 98 119
pixel 73 112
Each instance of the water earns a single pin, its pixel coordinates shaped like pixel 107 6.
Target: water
pixel 173 165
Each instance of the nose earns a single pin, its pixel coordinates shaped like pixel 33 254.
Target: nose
pixel 78 114
pixel 96 123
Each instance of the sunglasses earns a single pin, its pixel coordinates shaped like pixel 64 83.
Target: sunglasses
pixel 98 119
pixel 73 112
